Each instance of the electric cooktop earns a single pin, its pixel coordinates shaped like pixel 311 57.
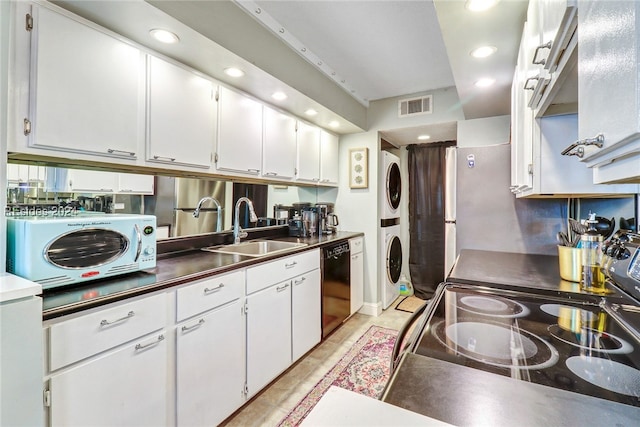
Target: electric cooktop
pixel 581 344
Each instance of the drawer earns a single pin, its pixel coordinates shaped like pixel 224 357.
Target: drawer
pixel 267 274
pixel 209 293
pixel 84 336
pixel 355 245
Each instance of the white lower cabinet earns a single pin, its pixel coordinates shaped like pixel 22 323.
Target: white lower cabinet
pixel 356 275
pixel 268 335
pixel 124 387
pixel 306 315
pixel 210 366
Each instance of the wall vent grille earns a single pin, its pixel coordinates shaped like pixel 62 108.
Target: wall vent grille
pixel 413 106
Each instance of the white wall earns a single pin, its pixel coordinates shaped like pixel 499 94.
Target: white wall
pixel 485 131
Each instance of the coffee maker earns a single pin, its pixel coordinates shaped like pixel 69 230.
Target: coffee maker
pixel 327 220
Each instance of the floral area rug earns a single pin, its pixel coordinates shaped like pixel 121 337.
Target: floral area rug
pixel 363 369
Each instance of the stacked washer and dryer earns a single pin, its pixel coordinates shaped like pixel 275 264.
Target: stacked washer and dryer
pixel 390 244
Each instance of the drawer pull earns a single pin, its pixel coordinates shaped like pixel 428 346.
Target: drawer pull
pixel 151 344
pixel 282 288
pixel 298 282
pixel 105 322
pixel 217 288
pixel 126 153
pixel 165 158
pixel 186 328
pixel 290 265
pixel 543 61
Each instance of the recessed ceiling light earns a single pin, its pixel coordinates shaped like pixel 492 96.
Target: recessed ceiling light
pixel 234 72
pixel 483 51
pixel 311 112
pixel 334 123
pixel 279 96
pixel 480 5
pixel 424 137
pixel 164 36
pixel 485 82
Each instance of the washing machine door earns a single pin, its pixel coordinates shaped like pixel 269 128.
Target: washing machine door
pixel 394 185
pixel 394 260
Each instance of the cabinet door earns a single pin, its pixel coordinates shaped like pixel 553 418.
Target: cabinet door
pixel 85 88
pixel 268 335
pixel 279 153
pixel 135 184
pixel 306 315
pixel 606 105
pixel 125 387
pixel 308 142
pixel 239 133
pixel 92 181
pixel 210 366
pixel 329 164
pixel 357 281
pixel 181 116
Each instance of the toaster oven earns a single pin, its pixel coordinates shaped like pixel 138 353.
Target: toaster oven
pixel 59 251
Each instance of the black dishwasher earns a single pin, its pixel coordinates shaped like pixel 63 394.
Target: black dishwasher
pixel 336 287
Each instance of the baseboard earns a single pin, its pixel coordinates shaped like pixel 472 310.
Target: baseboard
pixel 371 309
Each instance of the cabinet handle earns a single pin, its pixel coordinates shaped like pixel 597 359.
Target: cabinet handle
pixel 270 174
pixel 325 180
pixel 526 83
pixel 577 148
pixel 298 282
pixel 186 328
pixel 171 159
pixel 253 170
pixel 217 288
pixel 151 344
pixel 543 61
pixel 282 288
pixel 114 151
pixel 290 265
pixel 105 322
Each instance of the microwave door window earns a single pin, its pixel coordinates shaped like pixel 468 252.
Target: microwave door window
pixel 86 248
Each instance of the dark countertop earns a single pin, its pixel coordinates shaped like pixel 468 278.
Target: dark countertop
pixel 465 396
pixel 516 271
pixel 171 269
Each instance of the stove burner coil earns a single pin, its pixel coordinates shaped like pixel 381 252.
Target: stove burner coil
pixel 591 339
pixel 492 306
pixel 496 345
pixel 607 374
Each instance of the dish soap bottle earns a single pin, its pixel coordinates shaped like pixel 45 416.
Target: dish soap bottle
pixel 405 286
pixel 592 275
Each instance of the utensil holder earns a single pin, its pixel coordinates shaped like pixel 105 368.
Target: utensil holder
pixel 570 260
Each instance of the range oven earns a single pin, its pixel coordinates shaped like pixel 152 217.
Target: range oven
pixel 64 250
pixel 582 349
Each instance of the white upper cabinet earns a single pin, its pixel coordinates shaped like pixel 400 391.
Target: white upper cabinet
pixel 85 90
pixel 521 120
pixel 135 184
pixel 181 116
pixel 554 54
pixel 609 88
pixel 279 145
pixel 308 142
pixel 239 133
pixel 329 165
pixel 90 181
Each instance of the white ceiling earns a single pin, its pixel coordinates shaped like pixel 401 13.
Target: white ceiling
pixel 379 48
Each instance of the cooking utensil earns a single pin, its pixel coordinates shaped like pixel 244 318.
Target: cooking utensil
pixel 563 239
pixel 577 227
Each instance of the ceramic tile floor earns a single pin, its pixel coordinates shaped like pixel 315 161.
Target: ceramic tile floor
pixel 278 399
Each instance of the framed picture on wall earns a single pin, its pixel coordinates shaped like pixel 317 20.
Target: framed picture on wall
pixel 358 168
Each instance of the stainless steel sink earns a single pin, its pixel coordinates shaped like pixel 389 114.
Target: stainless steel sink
pixel 255 248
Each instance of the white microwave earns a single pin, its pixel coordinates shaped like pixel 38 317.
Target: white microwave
pixel 58 251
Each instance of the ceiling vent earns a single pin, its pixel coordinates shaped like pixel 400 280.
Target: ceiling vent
pixel 413 106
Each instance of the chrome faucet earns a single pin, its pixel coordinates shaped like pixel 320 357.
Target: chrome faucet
pixel 237 231
pixel 196 213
